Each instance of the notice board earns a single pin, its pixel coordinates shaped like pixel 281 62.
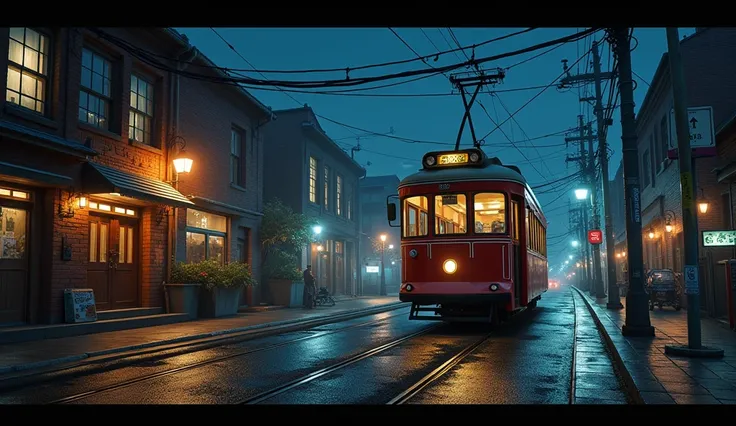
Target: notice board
pixel 79 305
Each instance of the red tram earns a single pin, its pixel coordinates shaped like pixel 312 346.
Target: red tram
pixel 473 244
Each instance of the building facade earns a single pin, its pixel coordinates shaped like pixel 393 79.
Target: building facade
pixel 374 191
pixel 707 58
pixel 221 126
pixel 87 187
pixel 308 171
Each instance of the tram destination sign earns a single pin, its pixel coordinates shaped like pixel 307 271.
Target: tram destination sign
pixel 452 159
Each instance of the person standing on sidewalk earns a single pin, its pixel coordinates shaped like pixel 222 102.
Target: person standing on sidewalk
pixel 309 289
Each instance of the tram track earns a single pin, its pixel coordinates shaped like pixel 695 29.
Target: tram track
pixel 160 374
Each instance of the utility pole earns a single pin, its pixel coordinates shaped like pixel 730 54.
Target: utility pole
pixel 637 309
pixel 586 165
pixel 596 77
pixel 383 266
pixel 688 184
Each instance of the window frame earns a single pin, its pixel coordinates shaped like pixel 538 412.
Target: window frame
pixel 238 178
pixel 313 179
pixel 349 201
pixel 339 200
pixel 435 219
pixel 49 64
pixel 132 111
pixel 89 91
pixel 405 216
pixel 326 187
pixel 207 233
pixel 507 222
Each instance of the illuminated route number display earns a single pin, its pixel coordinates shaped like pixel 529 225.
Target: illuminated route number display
pixel 449 159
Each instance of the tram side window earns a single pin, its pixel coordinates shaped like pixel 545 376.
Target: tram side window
pixel 450 214
pixel 490 213
pixel 416 213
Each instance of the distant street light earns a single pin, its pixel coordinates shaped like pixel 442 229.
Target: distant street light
pixel 317 229
pixel 581 193
pixel 390 246
pixel 575 243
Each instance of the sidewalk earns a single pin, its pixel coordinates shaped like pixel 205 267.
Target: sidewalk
pixel 662 379
pixel 44 353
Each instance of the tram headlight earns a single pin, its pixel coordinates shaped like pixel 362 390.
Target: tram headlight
pixel 474 157
pixel 450 266
pixel 429 160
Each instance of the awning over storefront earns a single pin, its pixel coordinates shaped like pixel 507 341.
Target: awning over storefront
pixel 34 175
pixel 99 179
pixel 33 136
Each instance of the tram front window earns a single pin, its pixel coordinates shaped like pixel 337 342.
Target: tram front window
pixel 490 213
pixel 415 214
pixel 450 214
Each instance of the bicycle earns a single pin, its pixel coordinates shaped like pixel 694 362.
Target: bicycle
pixel 323 298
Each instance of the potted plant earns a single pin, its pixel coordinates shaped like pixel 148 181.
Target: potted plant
pixel 285 280
pixel 284 234
pixel 182 293
pixel 223 284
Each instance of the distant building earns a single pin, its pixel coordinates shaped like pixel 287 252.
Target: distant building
pixel 374 191
pixel 308 171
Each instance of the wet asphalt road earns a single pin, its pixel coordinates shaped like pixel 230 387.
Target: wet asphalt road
pixel 527 360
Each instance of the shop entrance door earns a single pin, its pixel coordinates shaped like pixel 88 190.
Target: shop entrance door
pixel 112 270
pixel 14 227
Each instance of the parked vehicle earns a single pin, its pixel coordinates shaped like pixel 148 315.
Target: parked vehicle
pixel 663 288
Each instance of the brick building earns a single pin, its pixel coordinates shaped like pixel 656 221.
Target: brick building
pixel 374 191
pixel 221 125
pixel 309 172
pixel 708 58
pixel 85 176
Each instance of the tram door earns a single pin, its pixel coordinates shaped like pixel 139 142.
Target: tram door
pixel 515 232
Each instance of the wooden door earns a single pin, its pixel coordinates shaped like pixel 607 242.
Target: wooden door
pixel 112 271
pixel 14 240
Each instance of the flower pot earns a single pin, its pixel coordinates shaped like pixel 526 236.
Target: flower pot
pixel 219 302
pixel 182 299
pixel 286 292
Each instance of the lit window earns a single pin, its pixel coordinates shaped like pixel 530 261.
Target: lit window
pixel 206 236
pixel 490 213
pixel 338 195
pixel 140 121
pixel 416 213
pixel 450 214
pixel 27 69
pixel 327 188
pixel 312 179
pixel 94 95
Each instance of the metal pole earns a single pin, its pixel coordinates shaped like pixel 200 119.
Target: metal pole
pixel 637 309
pixel 689 214
pixel 383 270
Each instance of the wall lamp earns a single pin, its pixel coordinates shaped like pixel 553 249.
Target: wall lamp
pixel 669 220
pixel 702 202
pixel 182 162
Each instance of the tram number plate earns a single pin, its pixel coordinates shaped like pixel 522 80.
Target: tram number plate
pixel 444 186
pixel 453 159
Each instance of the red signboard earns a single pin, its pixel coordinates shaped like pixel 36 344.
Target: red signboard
pixel 595 236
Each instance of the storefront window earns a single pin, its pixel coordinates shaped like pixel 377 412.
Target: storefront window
pixel 206 235
pixel 12 233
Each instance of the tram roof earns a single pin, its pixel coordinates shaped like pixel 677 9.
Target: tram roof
pixel 492 169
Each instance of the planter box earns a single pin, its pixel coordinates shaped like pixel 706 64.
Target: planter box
pixel 182 299
pixel 219 302
pixel 286 292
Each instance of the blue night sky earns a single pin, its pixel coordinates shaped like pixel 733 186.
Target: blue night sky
pixel 437 118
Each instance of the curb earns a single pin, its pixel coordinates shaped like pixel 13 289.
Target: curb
pixel 619 364
pixel 217 333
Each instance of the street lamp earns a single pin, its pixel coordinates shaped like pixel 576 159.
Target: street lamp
pixel 383 268
pixel 581 193
pixel 570 257
pixel 390 246
pixel 317 229
pixel 575 243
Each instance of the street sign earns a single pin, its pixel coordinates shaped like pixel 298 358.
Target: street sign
pixel 595 236
pixel 691 280
pixel 719 238
pixel 702 133
pixel 372 269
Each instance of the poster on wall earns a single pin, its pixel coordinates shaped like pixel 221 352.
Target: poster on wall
pixel 79 305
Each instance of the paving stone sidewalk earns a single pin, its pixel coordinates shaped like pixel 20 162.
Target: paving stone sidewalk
pixel 54 351
pixel 665 379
